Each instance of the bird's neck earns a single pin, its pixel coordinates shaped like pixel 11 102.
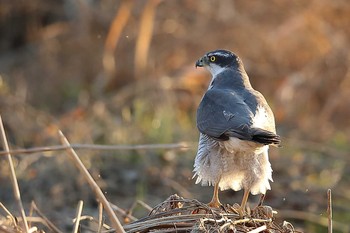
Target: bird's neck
pixel 244 81
pixel 236 78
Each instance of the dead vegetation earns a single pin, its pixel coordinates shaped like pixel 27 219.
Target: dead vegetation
pixel 176 214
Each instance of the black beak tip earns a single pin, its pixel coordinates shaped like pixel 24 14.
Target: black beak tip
pixel 199 63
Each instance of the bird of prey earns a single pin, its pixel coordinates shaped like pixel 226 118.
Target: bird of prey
pixel 236 128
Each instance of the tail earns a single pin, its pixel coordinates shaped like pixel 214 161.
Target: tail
pixel 265 137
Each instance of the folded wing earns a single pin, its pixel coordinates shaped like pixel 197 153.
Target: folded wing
pixel 224 113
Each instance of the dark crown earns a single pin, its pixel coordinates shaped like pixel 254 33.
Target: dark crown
pixel 224 58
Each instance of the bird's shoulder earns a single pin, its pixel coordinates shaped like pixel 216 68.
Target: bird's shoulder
pixel 224 100
pixel 221 110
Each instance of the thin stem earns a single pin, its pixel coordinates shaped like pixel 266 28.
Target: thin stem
pixel 14 181
pixel 78 163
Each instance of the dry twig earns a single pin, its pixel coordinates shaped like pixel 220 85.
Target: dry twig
pixel 78 215
pixel 8 214
pixel 15 186
pixel 177 214
pixel 46 221
pixel 329 211
pixel 99 195
pixel 259 229
pixel 173 146
pixel 100 217
pixel 125 214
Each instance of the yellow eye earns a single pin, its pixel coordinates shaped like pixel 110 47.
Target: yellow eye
pixel 212 58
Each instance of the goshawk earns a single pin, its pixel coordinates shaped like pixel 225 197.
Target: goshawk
pixel 236 128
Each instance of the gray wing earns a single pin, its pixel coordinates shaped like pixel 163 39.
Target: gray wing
pixel 223 114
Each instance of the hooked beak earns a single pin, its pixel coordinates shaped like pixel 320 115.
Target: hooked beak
pixel 202 61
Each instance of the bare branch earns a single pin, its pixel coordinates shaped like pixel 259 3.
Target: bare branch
pixel 78 215
pixel 15 186
pixel 99 195
pixel 171 146
pixel 329 211
pixel 47 222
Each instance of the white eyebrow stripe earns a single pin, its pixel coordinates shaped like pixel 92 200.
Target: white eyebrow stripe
pixel 219 54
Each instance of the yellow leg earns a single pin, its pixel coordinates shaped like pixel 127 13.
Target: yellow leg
pixel 244 202
pixel 215 200
pixel 261 201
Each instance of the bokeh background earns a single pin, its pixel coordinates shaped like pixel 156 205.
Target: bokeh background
pixel 122 72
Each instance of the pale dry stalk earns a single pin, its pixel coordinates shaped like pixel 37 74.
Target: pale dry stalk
pixel 99 195
pixel 15 186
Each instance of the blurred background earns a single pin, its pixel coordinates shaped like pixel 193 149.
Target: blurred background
pixel 122 72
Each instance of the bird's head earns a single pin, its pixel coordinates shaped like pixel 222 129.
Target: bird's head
pixel 218 60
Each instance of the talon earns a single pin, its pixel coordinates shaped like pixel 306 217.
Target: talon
pixel 262 199
pixel 215 204
pixel 239 210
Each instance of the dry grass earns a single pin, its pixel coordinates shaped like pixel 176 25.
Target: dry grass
pixel 176 214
